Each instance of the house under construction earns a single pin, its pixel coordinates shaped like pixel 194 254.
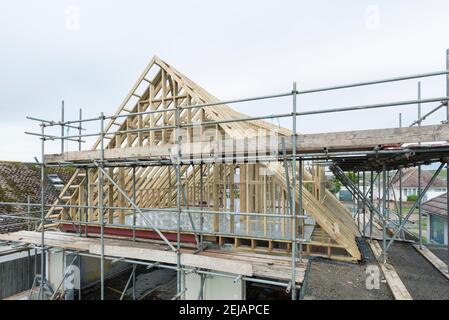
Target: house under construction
pixel 179 180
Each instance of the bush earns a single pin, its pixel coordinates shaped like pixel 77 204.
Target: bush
pixel 412 197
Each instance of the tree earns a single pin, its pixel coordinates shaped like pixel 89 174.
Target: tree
pixel 334 185
pixel 352 176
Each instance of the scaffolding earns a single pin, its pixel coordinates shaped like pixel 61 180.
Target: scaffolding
pixel 103 168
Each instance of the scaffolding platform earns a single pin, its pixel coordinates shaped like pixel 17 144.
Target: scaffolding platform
pixel 227 261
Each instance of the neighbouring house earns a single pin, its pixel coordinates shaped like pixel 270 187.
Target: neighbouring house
pixel 20 183
pixel 410 184
pixel 437 227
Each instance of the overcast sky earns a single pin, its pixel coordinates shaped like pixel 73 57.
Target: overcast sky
pixel 90 53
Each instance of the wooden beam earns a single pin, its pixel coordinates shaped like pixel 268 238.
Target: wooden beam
pixel 187 259
pixel 335 141
pixel 133 250
pixel 398 288
pixel 433 259
pixel 367 139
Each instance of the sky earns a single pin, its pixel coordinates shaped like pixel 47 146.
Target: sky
pixel 90 53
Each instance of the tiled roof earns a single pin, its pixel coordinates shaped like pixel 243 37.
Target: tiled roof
pixel 18 181
pixel 410 179
pixel 436 205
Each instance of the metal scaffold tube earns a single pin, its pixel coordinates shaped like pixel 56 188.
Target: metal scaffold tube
pixel 62 127
pixel 301 216
pixel 179 272
pixel 313 111
pixel 135 201
pixel 363 203
pixel 447 86
pixel 447 208
pixel 400 195
pixel 371 212
pixel 420 222
pixel 43 275
pixel 201 207
pixel 371 106
pixel 357 213
pixel 100 208
pixel 356 192
pixel 384 213
pixel 80 128
pixel 293 203
pixel 86 199
pixel 366 83
pixel 424 117
pixel 143 210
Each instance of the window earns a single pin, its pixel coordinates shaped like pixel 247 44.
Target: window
pixel 436 229
pixel 55 180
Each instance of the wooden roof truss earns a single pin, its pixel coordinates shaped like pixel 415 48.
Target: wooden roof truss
pixel 261 187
